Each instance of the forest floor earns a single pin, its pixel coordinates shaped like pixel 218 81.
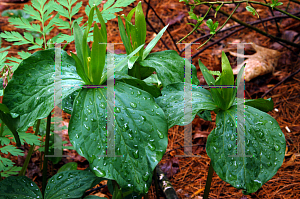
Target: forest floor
pixel 188 175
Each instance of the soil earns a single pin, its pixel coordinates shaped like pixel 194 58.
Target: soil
pixel 188 175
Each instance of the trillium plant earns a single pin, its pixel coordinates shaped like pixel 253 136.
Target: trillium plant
pixel 120 116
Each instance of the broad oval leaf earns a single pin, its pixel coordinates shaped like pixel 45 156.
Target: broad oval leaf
pixel 70 184
pixel 68 167
pixel 141 134
pixel 30 93
pixel 264 148
pixel 172 102
pixel 150 88
pixel 169 67
pixel 19 187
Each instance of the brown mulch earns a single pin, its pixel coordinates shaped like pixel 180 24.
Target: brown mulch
pixel 188 175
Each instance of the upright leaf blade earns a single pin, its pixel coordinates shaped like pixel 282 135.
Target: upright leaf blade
pixel 153 42
pixel 140 23
pixel 125 38
pixel 78 41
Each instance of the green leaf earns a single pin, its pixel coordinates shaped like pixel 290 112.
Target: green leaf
pixel 77 183
pixel 24 24
pixel 206 115
pixel 140 134
pixel 153 79
pixel 172 102
pixel 80 69
pixel 212 26
pixel 140 23
pixel 97 55
pixel 226 79
pixel 11 149
pixel 94 197
pixel 19 187
pixel 67 103
pixel 18 13
pixel 68 167
pixel 264 143
pixel 12 124
pixel 153 42
pixel 29 138
pixel 121 64
pixel 252 11
pixel 125 38
pixel 109 10
pixel 4 141
pixel 152 89
pixel 78 35
pixel 210 80
pixel 264 105
pixel 132 61
pixel 33 98
pixel 16 37
pixel 4 108
pixel 10 171
pixel 4 164
pixel 168 66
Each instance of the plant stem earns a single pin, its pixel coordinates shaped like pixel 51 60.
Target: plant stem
pixel 25 165
pixel 2 128
pixel 165 185
pixel 258 30
pixel 208 181
pixel 156 183
pixel 277 26
pixel 45 163
pixel 230 16
pixel 196 26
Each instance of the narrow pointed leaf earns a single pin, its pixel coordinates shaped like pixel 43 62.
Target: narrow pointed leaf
pixel 78 41
pixel 97 55
pixel 209 78
pixel 152 43
pixel 124 37
pixel 140 23
pixel 132 61
pixel 80 69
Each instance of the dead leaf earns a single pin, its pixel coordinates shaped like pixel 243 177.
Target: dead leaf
pixel 171 167
pixel 262 62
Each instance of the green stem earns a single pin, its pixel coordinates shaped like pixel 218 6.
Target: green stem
pixel 277 26
pixel 2 128
pixel 221 26
pixel 156 182
pixel 45 163
pixel 117 191
pixel 208 181
pixel 258 30
pixel 25 165
pixel 245 1
pixel 196 26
